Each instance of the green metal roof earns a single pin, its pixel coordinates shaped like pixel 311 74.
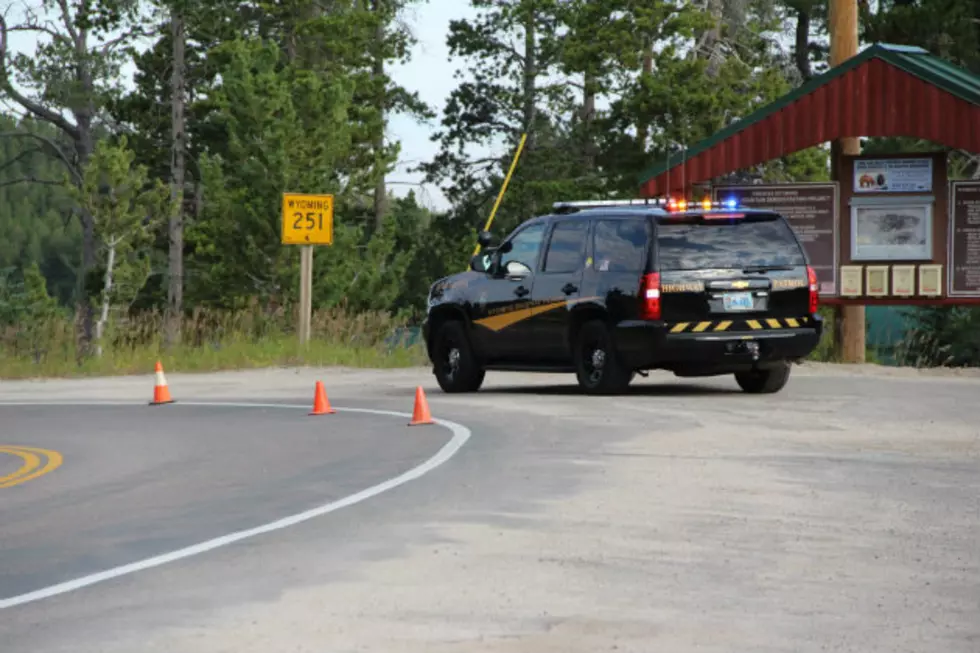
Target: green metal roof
pixel 911 59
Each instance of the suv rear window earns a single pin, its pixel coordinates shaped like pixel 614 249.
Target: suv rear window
pixel 727 244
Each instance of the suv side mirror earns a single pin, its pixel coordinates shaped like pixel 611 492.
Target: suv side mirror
pixel 485 238
pixel 481 262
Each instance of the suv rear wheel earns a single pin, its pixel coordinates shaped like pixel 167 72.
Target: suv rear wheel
pixel 455 366
pixel 598 366
pixel 764 381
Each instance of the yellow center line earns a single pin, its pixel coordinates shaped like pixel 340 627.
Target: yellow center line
pixel 32 467
pixel 31 462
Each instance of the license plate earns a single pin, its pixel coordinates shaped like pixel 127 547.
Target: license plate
pixel 738 301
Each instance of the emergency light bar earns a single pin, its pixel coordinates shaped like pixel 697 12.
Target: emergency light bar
pixel 672 204
pixel 584 204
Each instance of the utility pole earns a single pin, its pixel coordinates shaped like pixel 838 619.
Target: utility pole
pixel 844 45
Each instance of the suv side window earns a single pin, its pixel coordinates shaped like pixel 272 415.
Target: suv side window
pixel 566 248
pixel 620 245
pixel 524 251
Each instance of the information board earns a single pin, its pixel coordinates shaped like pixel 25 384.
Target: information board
pixel 964 239
pixel 810 209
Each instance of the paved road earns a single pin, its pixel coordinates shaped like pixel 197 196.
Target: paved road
pixel 843 514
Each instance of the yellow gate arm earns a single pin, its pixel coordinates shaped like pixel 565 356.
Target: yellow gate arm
pixel 503 188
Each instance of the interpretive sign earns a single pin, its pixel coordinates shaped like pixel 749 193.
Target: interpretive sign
pixel 810 209
pixel 911 175
pixel 964 240
pixel 891 228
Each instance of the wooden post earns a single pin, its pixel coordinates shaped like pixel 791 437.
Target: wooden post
pixel 844 45
pixel 305 292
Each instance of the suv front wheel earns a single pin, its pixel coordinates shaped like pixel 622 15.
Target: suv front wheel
pixel 765 381
pixel 454 364
pixel 598 366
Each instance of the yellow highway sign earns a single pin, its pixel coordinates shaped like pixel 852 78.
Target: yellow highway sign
pixel 307 219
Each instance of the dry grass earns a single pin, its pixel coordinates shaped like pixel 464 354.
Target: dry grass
pixel 210 340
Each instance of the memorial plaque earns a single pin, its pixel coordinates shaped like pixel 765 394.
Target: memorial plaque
pixel 964 235
pixel 810 209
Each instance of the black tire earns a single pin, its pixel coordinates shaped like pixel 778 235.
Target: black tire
pixel 765 381
pixel 598 367
pixel 454 365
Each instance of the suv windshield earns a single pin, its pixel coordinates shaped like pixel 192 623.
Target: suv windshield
pixel 768 241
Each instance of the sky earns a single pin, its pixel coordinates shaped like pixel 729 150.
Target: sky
pixel 429 72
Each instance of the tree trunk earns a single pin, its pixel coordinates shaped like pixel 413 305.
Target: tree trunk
pixel 175 289
pixel 643 129
pixel 84 113
pixel 709 41
pixel 801 51
pixel 530 74
pixel 106 294
pixel 588 119
pixel 529 94
pixel 380 189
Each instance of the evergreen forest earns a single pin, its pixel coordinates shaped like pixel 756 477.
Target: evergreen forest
pixel 140 214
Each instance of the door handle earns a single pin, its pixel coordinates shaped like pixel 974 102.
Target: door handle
pixel 520 291
pixel 569 288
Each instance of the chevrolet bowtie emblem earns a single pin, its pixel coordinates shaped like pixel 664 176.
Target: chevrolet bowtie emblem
pixel 740 284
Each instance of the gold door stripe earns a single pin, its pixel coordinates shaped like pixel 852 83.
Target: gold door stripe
pixel 723 325
pixel 774 323
pixel 680 326
pixel 701 327
pixel 792 322
pixel 753 324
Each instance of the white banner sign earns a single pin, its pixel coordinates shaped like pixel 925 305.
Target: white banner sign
pixel 892 175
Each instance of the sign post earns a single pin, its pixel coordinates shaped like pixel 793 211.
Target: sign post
pixel 307 220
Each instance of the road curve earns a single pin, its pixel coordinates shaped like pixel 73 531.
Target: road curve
pixel 189 480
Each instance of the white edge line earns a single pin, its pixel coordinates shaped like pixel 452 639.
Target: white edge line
pixel 460 435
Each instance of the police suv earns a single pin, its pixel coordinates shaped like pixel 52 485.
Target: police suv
pixel 611 289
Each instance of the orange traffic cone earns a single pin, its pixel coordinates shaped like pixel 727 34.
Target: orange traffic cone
pixel 421 414
pixel 321 406
pixel 161 393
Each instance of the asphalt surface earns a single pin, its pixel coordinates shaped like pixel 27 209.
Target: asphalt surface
pixel 842 514
pixel 145 481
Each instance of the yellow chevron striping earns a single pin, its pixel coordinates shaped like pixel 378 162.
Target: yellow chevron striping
pixel 504 320
pixel 725 325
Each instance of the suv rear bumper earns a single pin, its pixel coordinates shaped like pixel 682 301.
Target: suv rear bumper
pixel 653 344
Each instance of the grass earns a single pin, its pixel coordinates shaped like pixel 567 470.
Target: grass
pixel 210 341
pixel 250 338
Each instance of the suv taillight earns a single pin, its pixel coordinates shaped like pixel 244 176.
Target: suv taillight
pixel 811 275
pixel 650 297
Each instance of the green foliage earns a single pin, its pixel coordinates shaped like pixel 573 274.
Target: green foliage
pixel 28 314
pixel 941 337
pixel 270 147
pixel 35 218
pixel 126 207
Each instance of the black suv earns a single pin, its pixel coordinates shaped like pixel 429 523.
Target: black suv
pixel 608 290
